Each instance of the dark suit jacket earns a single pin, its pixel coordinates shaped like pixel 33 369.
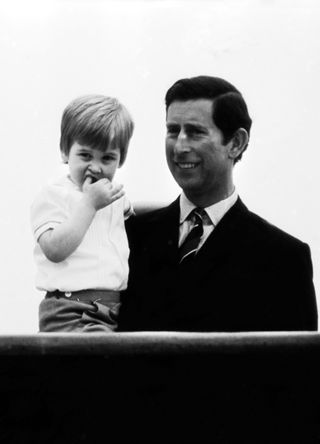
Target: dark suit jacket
pixel 248 276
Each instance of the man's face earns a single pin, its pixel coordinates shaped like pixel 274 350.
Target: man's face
pixel 85 161
pixel 196 155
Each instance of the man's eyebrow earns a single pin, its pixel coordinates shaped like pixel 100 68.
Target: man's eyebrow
pixel 188 126
pixel 195 126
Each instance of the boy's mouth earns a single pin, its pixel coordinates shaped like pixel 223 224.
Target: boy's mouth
pixel 93 178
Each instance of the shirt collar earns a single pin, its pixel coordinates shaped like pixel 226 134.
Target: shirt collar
pixel 215 211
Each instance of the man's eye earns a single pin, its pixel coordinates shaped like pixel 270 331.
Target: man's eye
pixel 194 132
pixel 172 131
pixel 194 129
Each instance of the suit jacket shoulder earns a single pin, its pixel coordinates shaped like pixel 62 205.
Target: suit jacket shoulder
pixel 154 224
pixel 266 228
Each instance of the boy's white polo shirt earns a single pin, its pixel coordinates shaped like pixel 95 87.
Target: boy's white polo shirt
pixel 100 261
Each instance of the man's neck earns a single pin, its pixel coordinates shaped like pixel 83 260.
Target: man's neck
pixel 204 200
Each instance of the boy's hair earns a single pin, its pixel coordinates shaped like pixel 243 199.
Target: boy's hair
pixel 229 109
pixel 97 121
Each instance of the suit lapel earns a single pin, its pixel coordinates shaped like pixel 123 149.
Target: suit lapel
pixel 226 237
pixel 163 255
pixel 229 232
pixel 165 234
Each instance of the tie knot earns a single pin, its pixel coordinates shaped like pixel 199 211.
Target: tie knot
pixel 197 214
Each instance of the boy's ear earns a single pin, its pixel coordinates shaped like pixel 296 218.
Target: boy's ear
pixel 64 157
pixel 239 143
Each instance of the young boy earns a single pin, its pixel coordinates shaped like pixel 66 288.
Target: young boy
pixel 81 249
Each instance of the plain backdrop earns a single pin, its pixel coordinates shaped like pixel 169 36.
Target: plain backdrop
pixel 53 51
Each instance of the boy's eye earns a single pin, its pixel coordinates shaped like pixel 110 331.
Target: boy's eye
pixel 108 158
pixel 85 155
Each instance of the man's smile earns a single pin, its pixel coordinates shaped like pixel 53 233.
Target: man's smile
pixel 186 165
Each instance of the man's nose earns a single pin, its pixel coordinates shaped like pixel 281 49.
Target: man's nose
pixel 182 144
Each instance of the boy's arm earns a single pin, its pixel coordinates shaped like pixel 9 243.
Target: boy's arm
pixel 141 207
pixel 58 243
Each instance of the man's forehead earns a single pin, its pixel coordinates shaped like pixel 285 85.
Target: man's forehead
pixel 190 110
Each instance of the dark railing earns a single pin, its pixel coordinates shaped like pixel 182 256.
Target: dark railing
pixel 160 388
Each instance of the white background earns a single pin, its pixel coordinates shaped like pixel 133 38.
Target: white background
pixel 53 51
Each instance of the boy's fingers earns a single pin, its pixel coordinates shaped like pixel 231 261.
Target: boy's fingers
pixel 87 181
pixel 117 195
pixel 117 188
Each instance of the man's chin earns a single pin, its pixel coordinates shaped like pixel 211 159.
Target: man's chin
pixel 187 184
pixel 187 179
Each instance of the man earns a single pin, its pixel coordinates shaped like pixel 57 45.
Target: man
pixel 220 268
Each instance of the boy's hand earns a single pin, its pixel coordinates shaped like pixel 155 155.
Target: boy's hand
pixel 101 193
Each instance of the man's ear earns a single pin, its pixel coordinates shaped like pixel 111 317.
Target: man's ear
pixel 64 157
pixel 239 143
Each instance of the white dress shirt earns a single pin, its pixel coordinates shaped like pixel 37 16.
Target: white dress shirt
pixel 214 213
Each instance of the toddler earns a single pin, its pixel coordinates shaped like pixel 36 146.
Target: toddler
pixel 81 249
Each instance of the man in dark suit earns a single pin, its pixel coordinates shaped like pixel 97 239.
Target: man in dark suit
pixel 205 262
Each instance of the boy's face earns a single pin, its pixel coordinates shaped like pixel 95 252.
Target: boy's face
pixel 85 161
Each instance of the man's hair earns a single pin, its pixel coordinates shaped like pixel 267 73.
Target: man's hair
pixel 229 110
pixel 97 121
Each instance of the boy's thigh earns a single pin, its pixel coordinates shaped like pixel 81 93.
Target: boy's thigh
pixel 57 314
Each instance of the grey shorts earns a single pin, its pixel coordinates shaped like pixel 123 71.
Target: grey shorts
pixel 81 311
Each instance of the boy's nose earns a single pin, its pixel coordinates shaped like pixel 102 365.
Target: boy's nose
pixel 95 167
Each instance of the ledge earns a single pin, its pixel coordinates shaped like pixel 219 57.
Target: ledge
pixel 160 387
pixel 156 343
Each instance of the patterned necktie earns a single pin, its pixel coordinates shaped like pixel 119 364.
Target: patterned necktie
pixel 190 245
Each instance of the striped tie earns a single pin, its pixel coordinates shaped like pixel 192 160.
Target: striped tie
pixel 190 245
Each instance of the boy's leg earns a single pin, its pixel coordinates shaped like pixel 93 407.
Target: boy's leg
pixel 101 317
pixel 61 314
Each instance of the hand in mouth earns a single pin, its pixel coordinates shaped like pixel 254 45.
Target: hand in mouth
pixel 93 178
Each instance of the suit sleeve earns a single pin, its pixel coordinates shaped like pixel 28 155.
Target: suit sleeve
pixel 303 292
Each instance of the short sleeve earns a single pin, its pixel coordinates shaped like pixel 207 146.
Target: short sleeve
pixel 48 210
